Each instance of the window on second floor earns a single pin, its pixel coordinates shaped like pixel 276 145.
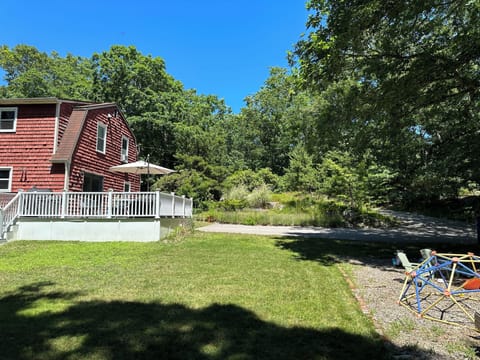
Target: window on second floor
pixel 101 137
pixel 8 119
pixel 124 151
pixel 5 179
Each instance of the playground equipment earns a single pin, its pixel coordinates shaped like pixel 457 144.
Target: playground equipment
pixel 445 288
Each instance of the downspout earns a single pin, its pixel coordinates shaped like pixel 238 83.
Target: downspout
pixel 66 183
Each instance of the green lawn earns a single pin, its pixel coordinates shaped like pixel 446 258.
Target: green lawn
pixel 205 297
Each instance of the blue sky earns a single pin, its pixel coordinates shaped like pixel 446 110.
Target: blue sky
pixel 217 47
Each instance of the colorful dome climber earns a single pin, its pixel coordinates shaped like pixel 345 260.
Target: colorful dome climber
pixel 444 288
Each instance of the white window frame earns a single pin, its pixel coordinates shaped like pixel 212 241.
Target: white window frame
pixel 124 152
pixel 127 186
pixel 15 110
pixel 10 175
pixel 101 125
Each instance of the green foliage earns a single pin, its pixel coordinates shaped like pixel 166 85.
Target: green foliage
pixel 301 174
pixel 271 123
pixel 410 80
pixel 250 179
pixel 131 79
pixel 259 197
pixel 31 73
pixel 295 209
pixel 355 181
pixel 342 178
pixel 195 178
pixel 256 198
pixel 233 204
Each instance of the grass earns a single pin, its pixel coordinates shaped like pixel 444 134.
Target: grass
pixel 259 217
pixel 401 325
pixel 205 297
pixel 293 217
pixel 295 209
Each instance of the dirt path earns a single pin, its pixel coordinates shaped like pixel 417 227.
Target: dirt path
pixel 412 228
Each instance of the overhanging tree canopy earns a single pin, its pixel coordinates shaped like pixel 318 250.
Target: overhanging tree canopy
pixel 416 65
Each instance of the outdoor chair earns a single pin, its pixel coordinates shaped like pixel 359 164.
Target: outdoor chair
pixel 407 265
pixel 426 253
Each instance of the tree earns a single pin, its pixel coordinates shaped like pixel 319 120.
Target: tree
pixel 31 73
pixel 134 81
pixel 301 174
pixel 272 123
pixel 194 178
pixel 415 67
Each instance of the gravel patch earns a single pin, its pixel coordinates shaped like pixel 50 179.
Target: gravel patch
pixel 377 286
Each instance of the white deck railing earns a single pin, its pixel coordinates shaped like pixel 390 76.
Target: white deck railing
pixel 106 205
pixel 5 198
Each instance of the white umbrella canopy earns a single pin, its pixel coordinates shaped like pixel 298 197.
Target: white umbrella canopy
pixel 142 167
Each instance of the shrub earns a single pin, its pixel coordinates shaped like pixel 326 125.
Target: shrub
pixel 259 197
pixel 251 180
pixel 232 204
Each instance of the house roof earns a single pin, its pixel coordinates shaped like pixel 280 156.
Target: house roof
pixel 69 141
pixel 39 100
pixel 95 106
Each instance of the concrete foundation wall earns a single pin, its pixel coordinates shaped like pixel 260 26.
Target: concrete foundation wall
pixel 142 230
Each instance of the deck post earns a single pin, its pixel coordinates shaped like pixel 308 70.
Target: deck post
pixel 157 204
pixel 109 203
pixel 1 223
pixel 63 204
pixel 20 203
pixel 183 206
pixel 173 204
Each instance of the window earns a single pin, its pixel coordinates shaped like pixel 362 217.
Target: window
pixel 124 152
pixel 101 137
pixel 8 119
pixel 92 182
pixel 5 179
pixel 126 187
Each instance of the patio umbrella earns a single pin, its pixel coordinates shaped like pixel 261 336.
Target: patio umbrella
pixel 142 167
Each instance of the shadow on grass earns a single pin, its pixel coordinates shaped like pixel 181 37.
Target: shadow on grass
pixel 136 330
pixel 378 254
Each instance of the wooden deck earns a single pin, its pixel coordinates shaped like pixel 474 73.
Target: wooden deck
pixel 69 208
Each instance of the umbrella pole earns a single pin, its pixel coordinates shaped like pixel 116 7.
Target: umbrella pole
pixel 148 172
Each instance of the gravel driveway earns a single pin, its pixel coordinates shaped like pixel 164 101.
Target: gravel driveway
pixel 412 228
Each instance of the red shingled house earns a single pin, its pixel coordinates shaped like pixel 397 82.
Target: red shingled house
pixel 53 144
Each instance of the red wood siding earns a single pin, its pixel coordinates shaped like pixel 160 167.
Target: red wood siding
pixel 29 149
pixel 86 159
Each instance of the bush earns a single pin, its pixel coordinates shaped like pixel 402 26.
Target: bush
pixel 251 180
pixel 239 192
pixel 232 204
pixel 259 197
